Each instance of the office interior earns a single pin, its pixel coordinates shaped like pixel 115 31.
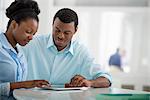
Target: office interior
pixel 105 25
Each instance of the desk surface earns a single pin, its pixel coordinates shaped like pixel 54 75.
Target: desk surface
pixel 90 94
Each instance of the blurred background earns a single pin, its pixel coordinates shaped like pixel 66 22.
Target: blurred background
pixel 104 26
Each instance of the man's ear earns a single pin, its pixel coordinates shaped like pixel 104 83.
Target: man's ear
pixel 76 29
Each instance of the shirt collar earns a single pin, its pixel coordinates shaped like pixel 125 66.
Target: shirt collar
pixel 68 49
pixel 6 44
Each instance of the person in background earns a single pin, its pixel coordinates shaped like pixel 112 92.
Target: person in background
pixel 116 60
pixel 59 58
pixel 22 25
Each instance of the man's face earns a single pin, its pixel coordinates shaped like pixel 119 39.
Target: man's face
pixel 62 33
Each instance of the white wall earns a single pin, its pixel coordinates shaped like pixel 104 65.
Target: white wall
pixel 45 16
pixel 3 19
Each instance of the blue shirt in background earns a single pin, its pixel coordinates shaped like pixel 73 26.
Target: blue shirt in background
pixel 12 65
pixel 58 67
pixel 115 60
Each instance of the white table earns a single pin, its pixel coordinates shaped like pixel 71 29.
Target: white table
pixel 90 94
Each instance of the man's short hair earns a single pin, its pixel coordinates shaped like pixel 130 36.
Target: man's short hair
pixel 67 15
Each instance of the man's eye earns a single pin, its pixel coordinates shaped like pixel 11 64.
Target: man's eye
pixel 57 30
pixel 67 33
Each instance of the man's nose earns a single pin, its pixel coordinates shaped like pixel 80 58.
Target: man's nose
pixel 61 35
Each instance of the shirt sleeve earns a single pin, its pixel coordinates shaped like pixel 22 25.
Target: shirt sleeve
pixel 4 88
pixel 91 70
pixel 96 71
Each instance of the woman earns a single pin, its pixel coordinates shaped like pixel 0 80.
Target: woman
pixel 22 25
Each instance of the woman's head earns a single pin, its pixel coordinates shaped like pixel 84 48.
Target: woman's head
pixel 23 21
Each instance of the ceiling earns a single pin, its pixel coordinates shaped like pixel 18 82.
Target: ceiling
pixel 131 3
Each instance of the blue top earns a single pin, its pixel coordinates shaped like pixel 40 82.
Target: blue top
pixel 58 67
pixel 12 65
pixel 115 59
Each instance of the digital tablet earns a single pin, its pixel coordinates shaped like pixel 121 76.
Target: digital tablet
pixel 62 88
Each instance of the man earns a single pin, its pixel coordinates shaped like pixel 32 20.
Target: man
pixel 60 59
pixel 116 60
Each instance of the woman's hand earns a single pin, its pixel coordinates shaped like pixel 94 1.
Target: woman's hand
pixel 29 84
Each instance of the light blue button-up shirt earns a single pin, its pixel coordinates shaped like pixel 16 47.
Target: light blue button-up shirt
pixel 58 67
pixel 13 66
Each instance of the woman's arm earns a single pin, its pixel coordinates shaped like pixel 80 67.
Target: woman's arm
pixel 28 84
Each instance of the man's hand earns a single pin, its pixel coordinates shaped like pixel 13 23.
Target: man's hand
pixel 79 81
